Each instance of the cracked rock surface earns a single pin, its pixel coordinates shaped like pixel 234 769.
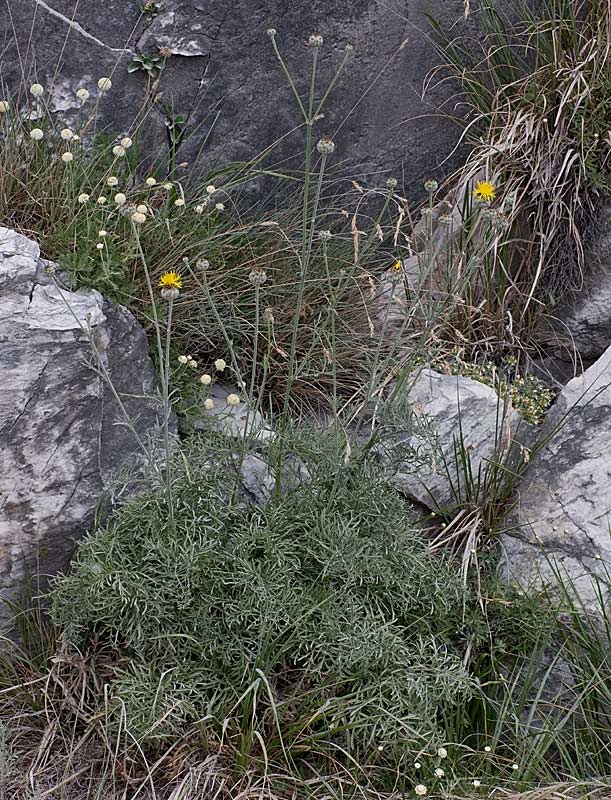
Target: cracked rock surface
pixel 62 444
pixel 562 517
pixel 222 74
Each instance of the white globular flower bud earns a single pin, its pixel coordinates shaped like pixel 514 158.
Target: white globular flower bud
pixel 349 49
pixel 183 360
pixel 172 294
pixel 325 235
pixel 126 142
pixel 391 183
pixel 142 209
pixel 150 181
pixel 36 134
pixel 431 186
pixel 104 84
pixel 4 106
pixel 101 200
pixel 179 203
pixel 112 180
pixel 206 379
pixel 233 399
pixel 209 404
pixel 315 40
pixel 199 209
pixel 37 89
pixel 66 134
pixel 421 790
pixel 439 772
pixel 442 752
pixel 100 246
pixel 118 150
pixel 271 32
pixel 210 189
pixel 219 206
pixel 220 364
pixel 120 199
pixel 192 361
pixel 257 277
pixel 83 197
pixel 82 94
pixel 67 157
pixel 325 146
pixel 138 217
pixel 102 234
pixel 202 264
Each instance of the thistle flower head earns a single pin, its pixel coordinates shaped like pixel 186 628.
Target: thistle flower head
pixel 170 280
pixel 37 89
pixel 170 284
pixel 325 146
pixel 484 192
pixel 257 277
pixel 104 84
pixel 36 134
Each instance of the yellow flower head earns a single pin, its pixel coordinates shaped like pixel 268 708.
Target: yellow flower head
pixel 397 266
pixel 484 192
pixel 170 280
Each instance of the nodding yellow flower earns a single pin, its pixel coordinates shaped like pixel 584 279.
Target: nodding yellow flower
pixel 397 266
pixel 170 280
pixel 484 192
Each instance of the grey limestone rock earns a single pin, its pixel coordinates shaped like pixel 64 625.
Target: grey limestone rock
pixel 222 78
pixel 561 521
pixel 447 410
pixel 63 443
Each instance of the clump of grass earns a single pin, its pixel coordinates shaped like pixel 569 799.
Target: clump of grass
pixel 537 91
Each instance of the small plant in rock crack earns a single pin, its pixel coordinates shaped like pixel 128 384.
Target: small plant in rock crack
pixel 151 64
pixel 150 9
